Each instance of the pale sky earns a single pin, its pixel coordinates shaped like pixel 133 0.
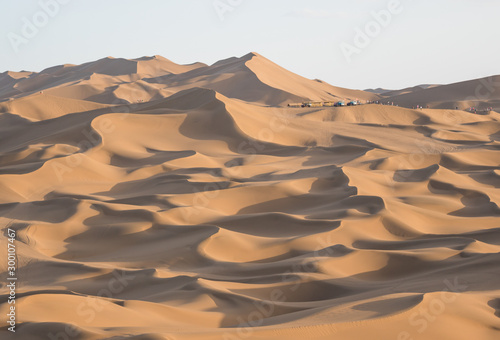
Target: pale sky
pixel 420 42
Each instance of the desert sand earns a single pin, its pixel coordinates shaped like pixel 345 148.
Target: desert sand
pixel 154 200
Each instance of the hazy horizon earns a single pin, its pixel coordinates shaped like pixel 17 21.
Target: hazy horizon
pixel 353 45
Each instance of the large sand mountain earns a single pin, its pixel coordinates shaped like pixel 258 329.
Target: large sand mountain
pixel 110 81
pixel 158 201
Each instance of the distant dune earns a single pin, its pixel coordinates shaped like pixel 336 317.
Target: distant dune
pixel 154 200
pixel 479 93
pixel 251 78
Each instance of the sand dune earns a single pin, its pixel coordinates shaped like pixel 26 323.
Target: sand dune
pixel 393 93
pixel 160 201
pixel 479 93
pixel 251 78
